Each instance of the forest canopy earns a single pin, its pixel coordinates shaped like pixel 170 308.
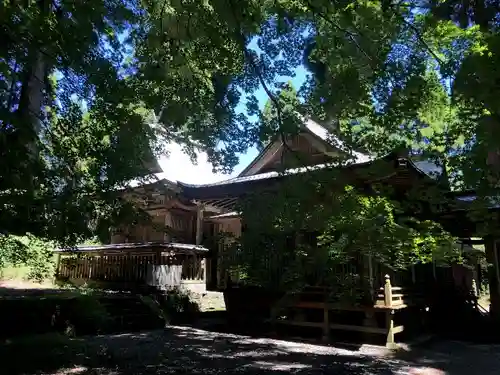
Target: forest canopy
pixel 89 88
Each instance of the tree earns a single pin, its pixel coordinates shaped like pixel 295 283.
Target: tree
pixel 80 80
pixel 78 87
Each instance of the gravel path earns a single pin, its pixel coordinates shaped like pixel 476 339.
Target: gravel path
pixel 179 350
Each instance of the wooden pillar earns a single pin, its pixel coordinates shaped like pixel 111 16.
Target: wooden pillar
pixel 326 323
pixel 204 267
pixel 493 275
pixel 369 319
pixel 389 314
pixel 58 264
pixel 168 224
pixel 388 291
pixel 370 275
pixel 199 225
pixel 199 238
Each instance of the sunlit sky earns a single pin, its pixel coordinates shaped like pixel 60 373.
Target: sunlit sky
pixel 178 167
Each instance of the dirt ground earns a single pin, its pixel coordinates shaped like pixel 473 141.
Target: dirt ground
pixel 181 350
pixel 22 284
pixel 208 301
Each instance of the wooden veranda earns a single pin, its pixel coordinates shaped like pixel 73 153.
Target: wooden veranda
pixel 132 265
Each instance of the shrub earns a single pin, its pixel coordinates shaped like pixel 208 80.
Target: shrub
pixel 178 305
pixel 33 253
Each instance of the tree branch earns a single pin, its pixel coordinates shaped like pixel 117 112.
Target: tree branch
pixel 348 33
pixel 262 81
pixel 417 33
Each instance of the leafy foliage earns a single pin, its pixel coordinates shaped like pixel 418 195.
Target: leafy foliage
pixel 307 234
pixel 89 90
pixel 28 251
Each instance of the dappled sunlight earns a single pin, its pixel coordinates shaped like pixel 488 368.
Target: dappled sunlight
pixel 426 371
pixel 79 370
pixel 279 366
pixel 181 350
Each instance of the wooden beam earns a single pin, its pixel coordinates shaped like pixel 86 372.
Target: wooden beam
pixel 209 206
pixel 168 224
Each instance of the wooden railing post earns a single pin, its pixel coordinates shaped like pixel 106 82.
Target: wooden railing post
pixel 388 291
pixel 58 265
pixel 389 314
pixel 390 329
pixel 326 318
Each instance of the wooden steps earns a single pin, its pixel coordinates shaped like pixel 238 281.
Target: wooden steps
pixel 292 309
pixel 128 313
pixel 343 327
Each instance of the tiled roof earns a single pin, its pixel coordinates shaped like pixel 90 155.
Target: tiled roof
pixel 323 133
pixel 270 175
pixel 494 202
pixel 429 168
pixel 227 215
pixel 177 247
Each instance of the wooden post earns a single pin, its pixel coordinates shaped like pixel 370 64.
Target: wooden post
pixel 199 225
pixel 370 276
pixel 168 224
pixel 493 276
pixel 326 319
pixel 475 293
pixel 58 265
pixel 389 316
pixel 204 269
pixel 388 291
pixel 497 270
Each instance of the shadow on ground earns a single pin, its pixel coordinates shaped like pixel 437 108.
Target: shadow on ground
pixel 181 350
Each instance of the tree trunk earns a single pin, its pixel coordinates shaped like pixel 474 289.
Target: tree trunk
pixel 30 103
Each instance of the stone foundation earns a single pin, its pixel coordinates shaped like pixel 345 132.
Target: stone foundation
pixel 208 301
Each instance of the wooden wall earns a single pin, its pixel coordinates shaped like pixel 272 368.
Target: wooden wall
pixel 221 255
pixel 128 267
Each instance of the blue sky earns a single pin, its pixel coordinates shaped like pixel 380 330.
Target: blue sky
pixel 178 167
pixel 298 80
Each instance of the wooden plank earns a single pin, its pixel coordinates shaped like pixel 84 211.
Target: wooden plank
pixel 398 329
pixel 301 324
pixel 121 267
pixel 73 268
pixel 101 274
pixel 342 327
pixel 394 296
pixel 396 305
pixel 85 266
pixel 394 288
pixel 310 305
pixel 337 306
pixel 348 327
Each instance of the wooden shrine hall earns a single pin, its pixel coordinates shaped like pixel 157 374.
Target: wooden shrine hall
pixel 399 305
pixel 400 299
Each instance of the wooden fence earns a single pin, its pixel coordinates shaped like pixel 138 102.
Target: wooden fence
pixel 125 267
